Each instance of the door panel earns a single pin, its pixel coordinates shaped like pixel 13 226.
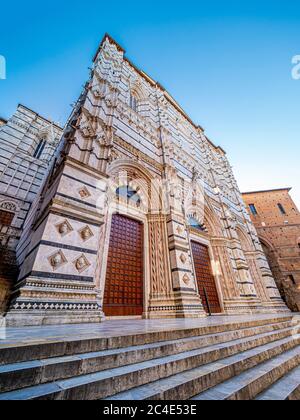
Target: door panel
pixel 205 279
pixel 123 294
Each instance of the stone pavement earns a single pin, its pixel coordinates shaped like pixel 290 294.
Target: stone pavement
pixel 116 328
pixel 221 357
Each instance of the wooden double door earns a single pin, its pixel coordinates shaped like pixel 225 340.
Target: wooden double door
pixel 124 287
pixel 205 278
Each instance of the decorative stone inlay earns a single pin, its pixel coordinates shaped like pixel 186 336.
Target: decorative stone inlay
pixel 56 306
pixel 183 258
pixel 179 230
pixel 8 206
pixel 84 192
pixel 81 263
pixel 186 280
pixel 57 260
pixel 86 233
pixel 64 228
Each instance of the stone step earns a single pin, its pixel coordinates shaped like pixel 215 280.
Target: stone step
pixel 171 377
pixel 27 374
pixel 249 384
pixel 44 348
pixel 186 385
pixel 287 388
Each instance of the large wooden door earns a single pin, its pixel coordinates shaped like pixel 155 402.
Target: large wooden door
pixel 123 294
pixel 205 279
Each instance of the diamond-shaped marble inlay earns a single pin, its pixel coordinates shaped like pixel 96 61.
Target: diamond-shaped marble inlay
pixel 186 280
pixel 179 230
pixel 57 260
pixel 84 192
pixel 81 263
pixel 64 228
pixel 86 233
pixel 183 258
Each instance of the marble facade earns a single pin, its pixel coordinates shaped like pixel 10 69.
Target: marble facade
pixel 127 131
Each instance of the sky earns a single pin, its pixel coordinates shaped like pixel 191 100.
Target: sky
pixel 227 63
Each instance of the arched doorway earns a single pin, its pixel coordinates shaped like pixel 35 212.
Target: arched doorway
pixel 270 254
pixel 205 278
pixel 123 294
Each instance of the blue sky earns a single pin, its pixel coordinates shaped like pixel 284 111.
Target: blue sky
pixel 228 63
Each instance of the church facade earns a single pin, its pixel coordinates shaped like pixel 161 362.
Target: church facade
pixel 140 215
pixel 28 143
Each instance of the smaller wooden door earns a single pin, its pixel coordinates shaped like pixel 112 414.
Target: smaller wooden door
pixel 205 278
pixel 123 294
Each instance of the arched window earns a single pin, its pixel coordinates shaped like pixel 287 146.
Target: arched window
pixel 292 278
pixel 133 102
pixel 281 208
pixel 39 149
pixel 193 223
pixel 129 194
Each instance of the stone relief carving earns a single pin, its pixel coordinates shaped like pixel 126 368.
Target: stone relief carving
pixel 81 263
pixel 86 233
pixel 179 230
pixel 183 258
pixel 8 206
pixel 64 228
pixel 186 279
pixel 84 192
pixel 57 260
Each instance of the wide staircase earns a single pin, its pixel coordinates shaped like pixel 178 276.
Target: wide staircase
pixel 254 359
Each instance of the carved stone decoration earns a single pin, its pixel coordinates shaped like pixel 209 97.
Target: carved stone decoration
pixel 86 233
pixel 101 135
pixel 84 192
pixel 85 126
pixel 177 168
pixel 99 86
pixel 161 282
pixel 231 219
pixel 81 263
pixel 64 228
pixel 179 230
pixel 57 260
pixel 8 206
pixel 183 258
pixel 186 280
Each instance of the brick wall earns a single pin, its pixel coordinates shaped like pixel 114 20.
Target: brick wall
pixel 278 225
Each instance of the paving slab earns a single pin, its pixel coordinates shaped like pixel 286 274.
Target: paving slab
pixel 116 328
